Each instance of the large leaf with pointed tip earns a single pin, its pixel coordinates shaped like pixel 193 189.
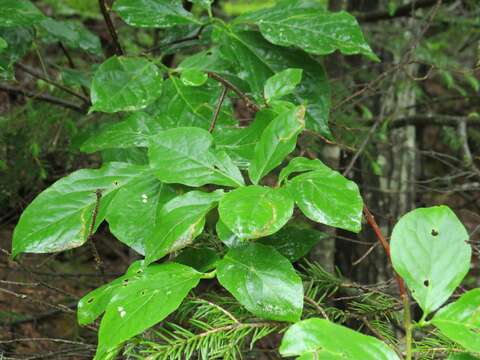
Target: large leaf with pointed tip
pixel 327 197
pixel 312 29
pixel 153 13
pixel 460 320
pixel 300 165
pixel 277 141
pixel 263 281
pixel 181 105
pixel 282 83
pixel 125 84
pixel 60 217
pixel 422 245
pixel 256 60
pixel 19 13
pixel 133 131
pixel 71 34
pixel 134 211
pixel 239 142
pixel 255 211
pixel 184 155
pixel 294 242
pixel 144 298
pixel 180 221
pixel 321 339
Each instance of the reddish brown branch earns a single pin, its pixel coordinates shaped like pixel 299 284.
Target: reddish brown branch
pixel 111 28
pixel 249 103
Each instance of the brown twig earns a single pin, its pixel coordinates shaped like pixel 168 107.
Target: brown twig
pixel 96 254
pixel 249 103
pixel 43 97
pixel 218 108
pixel 72 65
pixel 37 75
pixel 111 28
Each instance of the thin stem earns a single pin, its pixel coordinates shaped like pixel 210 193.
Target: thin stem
pixel 96 254
pixel 218 108
pixel 37 75
pixel 71 63
pixel 111 28
pixel 43 97
pixel 407 324
pixel 249 103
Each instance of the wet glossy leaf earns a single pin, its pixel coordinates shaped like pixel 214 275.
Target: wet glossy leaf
pixel 460 320
pixel 294 242
pixel 19 13
pixel 327 197
pixel 314 30
pixel 299 165
pixel 71 34
pixel 181 105
pixel 282 83
pixel 184 155
pixel 277 141
pixel 227 236
pixel 202 259
pixel 133 131
pixel 239 142
pixel 60 217
pixel 255 211
pixel 125 84
pixel 144 299
pixel 422 245
pixel 318 338
pixel 263 281
pixel 193 77
pixel 153 13
pixel 180 221
pixel 134 212
pixel 256 60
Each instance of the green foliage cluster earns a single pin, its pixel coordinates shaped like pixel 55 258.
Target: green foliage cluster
pixel 197 161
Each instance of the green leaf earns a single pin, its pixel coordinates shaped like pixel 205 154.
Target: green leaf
pixel 239 142
pixel 3 44
pixel 263 281
pixel 461 356
pixel 60 217
pixel 312 29
pixel 180 221
pixel 321 339
pixel 19 13
pixel 327 197
pixel 153 13
pixel 125 84
pixel 71 34
pixel 144 299
pixel 133 131
pixel 227 236
pixel 202 259
pixel 298 165
pixel 256 60
pixel 460 320
pixel 294 242
pixel 193 77
pixel 255 211
pixel 139 202
pixel 184 155
pixel 282 83
pixel 206 4
pixel 422 245
pixel 181 105
pixel 19 40
pixel 277 141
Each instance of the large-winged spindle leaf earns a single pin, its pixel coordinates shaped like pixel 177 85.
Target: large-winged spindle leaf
pixel 125 84
pixel 263 281
pixel 321 339
pixel 60 217
pixel 430 252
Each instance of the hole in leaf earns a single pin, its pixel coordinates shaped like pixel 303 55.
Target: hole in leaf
pixel 125 282
pixel 143 292
pixel 89 301
pixel 426 283
pixel 434 232
pixel 139 271
pixel 115 183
